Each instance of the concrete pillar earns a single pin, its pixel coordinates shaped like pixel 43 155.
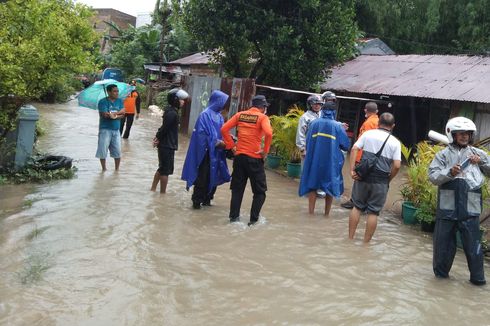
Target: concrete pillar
pixel 26 131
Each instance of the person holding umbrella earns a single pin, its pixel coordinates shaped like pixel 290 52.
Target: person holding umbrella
pixel 111 110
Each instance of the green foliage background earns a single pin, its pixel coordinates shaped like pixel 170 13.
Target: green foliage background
pixel 282 43
pixel 43 44
pixel 428 26
pixel 134 47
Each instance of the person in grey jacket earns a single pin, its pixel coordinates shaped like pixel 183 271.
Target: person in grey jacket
pixel 314 105
pixel 459 171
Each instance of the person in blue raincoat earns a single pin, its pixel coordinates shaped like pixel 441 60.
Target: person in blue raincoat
pixel 205 165
pixel 322 170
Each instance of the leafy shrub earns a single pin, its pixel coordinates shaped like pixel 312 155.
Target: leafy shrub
pixel 284 130
pixel 418 189
pixel 161 99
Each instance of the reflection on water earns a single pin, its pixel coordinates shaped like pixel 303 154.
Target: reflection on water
pixel 102 249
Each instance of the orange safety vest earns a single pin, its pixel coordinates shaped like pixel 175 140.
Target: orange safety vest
pixel 130 103
pixel 252 125
pixel 370 123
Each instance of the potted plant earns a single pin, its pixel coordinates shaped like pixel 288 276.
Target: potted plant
pixel 418 192
pixel 284 138
pixel 273 161
pixel 425 214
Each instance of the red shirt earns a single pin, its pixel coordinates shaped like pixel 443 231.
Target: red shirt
pixel 252 125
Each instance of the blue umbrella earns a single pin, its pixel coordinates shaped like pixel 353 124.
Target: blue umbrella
pixel 91 96
pixel 139 80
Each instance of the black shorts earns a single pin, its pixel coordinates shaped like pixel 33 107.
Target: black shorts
pixel 166 161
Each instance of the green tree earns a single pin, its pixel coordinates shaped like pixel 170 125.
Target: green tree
pixel 285 43
pixel 43 44
pixel 162 41
pixel 428 26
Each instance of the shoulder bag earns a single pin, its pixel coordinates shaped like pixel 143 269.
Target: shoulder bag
pixel 367 164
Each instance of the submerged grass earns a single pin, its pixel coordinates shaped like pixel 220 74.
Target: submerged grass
pixel 34 268
pixel 28 203
pixel 36 232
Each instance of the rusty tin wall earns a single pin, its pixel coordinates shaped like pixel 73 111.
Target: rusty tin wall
pixel 200 88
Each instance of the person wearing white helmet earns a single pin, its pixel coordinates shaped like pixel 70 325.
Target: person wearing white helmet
pixel 314 105
pixel 459 171
pixel 166 138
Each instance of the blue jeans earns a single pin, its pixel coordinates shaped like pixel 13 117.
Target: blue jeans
pixel 109 140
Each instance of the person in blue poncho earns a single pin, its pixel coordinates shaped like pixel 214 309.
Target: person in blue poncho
pixel 205 165
pixel 322 170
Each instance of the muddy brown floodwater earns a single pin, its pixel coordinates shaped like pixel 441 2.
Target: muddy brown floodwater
pixel 101 249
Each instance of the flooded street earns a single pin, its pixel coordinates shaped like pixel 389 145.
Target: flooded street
pixel 101 249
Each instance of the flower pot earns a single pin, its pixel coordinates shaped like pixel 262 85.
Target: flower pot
pixel 408 213
pixel 427 226
pixel 273 161
pixel 294 169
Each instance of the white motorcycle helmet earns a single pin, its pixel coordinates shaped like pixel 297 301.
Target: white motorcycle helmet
pixel 459 124
pixel 176 94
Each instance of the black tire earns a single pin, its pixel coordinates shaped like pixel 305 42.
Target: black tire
pixel 53 162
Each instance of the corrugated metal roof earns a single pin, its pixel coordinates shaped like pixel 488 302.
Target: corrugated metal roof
pixel 373 46
pixel 461 78
pixel 199 58
pixel 169 69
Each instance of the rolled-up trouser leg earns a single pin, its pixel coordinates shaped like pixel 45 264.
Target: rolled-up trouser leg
pixel 444 241
pixel 470 237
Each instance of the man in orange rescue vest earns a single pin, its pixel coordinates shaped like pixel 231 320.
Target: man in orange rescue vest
pixel 252 125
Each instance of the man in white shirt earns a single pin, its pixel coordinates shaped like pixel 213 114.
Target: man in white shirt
pixel 369 195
